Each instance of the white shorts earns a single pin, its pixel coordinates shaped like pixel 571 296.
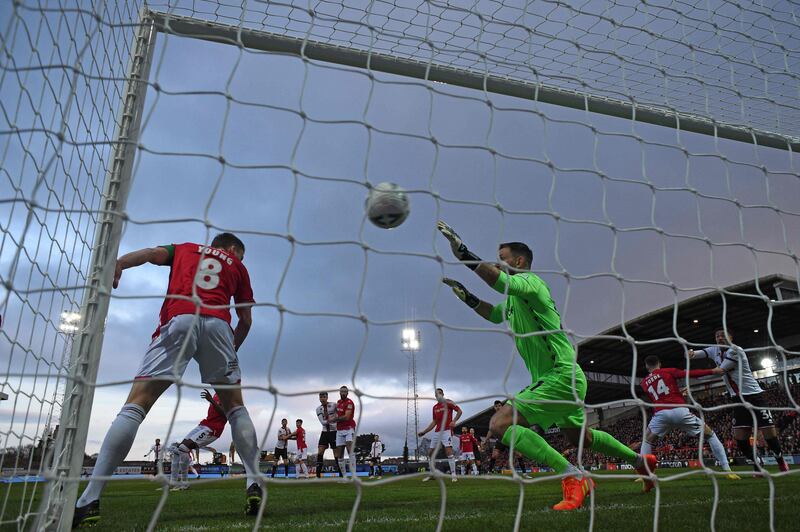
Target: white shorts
pixel 302 454
pixel 202 436
pixel 442 437
pixel 207 339
pixel 468 456
pixel 675 418
pixel 344 436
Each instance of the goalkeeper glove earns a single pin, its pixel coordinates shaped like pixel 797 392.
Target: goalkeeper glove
pixel 462 293
pixel 457 245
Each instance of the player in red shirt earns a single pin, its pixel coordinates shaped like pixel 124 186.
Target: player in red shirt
pixel 443 423
pixel 468 444
pixel 670 412
pixel 203 435
pixel 302 449
pixel 194 323
pixel 345 429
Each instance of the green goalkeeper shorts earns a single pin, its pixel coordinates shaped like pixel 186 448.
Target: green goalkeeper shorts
pixel 555 385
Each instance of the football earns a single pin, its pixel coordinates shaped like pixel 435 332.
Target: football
pixel 387 205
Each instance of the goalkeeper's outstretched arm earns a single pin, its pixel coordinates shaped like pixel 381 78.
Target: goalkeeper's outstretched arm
pixel 484 309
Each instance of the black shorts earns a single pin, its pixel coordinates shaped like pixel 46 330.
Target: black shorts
pixel 327 439
pixel 501 447
pixel 477 455
pixel 281 453
pixel 375 460
pixel 743 416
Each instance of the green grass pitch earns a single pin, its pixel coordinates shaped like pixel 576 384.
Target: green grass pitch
pixel 405 503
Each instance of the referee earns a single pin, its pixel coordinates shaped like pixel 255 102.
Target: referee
pixel 327 438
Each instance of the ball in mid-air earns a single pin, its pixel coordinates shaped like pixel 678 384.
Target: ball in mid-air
pixel 387 205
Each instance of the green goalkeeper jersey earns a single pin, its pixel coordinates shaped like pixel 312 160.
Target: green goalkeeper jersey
pixel 528 309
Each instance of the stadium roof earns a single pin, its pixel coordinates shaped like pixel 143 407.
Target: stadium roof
pixel 746 310
pixel 608 358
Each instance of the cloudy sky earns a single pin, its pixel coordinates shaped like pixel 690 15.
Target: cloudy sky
pixel 623 218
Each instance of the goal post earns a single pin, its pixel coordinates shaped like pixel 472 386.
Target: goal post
pixel 62 480
pixel 472 79
pixel 421 60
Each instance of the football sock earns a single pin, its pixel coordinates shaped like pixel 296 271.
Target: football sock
pixel 535 447
pixel 452 462
pixel 319 465
pixel 647 447
pixel 115 448
pixel 605 443
pixel 747 450
pixel 342 467
pixel 719 451
pixel 286 469
pixel 245 440
pixel 774 446
pixel 175 470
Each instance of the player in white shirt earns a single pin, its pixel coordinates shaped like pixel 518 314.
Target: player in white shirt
pixel 327 438
pixel 743 388
pixel 375 458
pixel 281 451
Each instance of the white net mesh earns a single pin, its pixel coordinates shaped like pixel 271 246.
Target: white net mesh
pixel 61 78
pixel 623 217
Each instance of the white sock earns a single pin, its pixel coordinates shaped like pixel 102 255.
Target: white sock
pixel 186 460
pixel 115 448
pixel 452 462
pixel 647 447
pixel 719 451
pixel 474 469
pixel 244 438
pixel 175 470
pixel 343 466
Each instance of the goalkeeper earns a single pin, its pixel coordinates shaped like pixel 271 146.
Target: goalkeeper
pixel 550 358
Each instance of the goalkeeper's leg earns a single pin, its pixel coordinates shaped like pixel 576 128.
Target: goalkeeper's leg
pixel 522 439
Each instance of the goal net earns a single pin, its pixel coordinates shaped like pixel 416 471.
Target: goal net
pixel 646 151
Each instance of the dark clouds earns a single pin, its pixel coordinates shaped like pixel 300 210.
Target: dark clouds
pixel 621 201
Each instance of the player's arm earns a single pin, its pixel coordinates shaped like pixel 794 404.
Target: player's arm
pixel 697 354
pixel 499 280
pixel 243 297
pixel 695 373
pixel 731 360
pixel 347 416
pixel 427 429
pixel 208 397
pixel 245 315
pixel 292 436
pixel 457 410
pixel 485 310
pixel 159 255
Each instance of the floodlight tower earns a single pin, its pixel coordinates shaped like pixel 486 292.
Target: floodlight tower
pixel 410 343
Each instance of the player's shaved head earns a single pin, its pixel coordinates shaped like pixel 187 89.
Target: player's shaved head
pixel 284 421
pixel 227 240
pixel 299 421
pixel 652 362
pixel 519 249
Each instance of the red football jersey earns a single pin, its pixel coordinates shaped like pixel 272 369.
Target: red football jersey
pixel 217 275
pixel 342 406
pixel 467 442
pixel 662 386
pixel 301 438
pixel 439 410
pixel 214 420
